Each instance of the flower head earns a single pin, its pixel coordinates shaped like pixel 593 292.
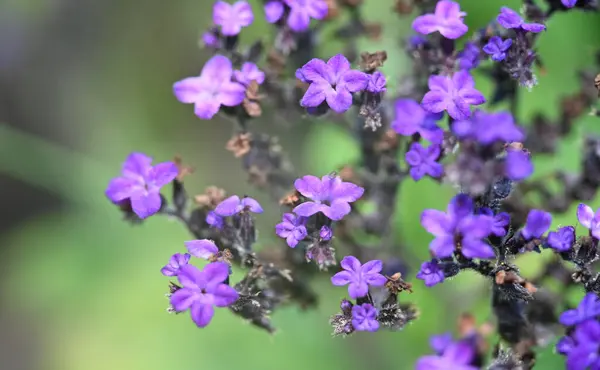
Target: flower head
pixel 453 94
pixel 588 219
pixel 423 161
pixel 232 18
pixel 538 222
pixel 518 165
pixel 562 239
pixel 431 273
pixel 292 228
pixel 211 89
pixel 456 356
pixel 329 195
pixel 202 290
pixel 412 119
pixel 447 20
pixel 359 276
pixel 248 73
pixel 488 128
pixel 300 12
pixel 588 309
pixel 497 48
pixel 468 58
pixel 234 205
pixel 376 83
pixel 333 82
pixel 203 248
pixel 508 19
pixel 364 317
pixel 458 225
pixel 140 182
pixel 175 263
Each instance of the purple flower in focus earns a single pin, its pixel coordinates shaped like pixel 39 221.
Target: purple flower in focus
pixel 431 273
pixel 376 83
pixel 333 82
pixel 453 94
pixel 468 58
pixel 456 356
pixel 412 119
pixel 588 219
pixel 175 263
pixel 202 290
pixel 569 3
pixel 447 20
pixel 301 11
pixel 508 19
pixel 358 276
pixel 518 165
pixel 234 205
pixel 364 317
pixel 214 220
pixel 585 344
pixel 422 161
pixel 203 248
pixel 326 233
pixel 329 195
pixel 488 128
pixel 292 228
pixel 562 239
pixel 500 221
pixel 232 18
pixel 497 48
pixel 538 222
pixel 458 226
pixel 140 182
pixel 248 73
pixel 211 89
pixel 588 309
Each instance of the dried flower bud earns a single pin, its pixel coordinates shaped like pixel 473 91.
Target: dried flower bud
pixel 239 145
pixel 182 169
pixel 292 199
pixel 251 101
pixel 211 197
pixel 369 62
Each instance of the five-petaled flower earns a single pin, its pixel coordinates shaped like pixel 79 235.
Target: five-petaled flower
pixel 377 83
pixel 431 273
pixel 453 94
pixel 232 18
pixel 333 82
pixel 202 290
pixel 364 317
pixel 176 261
pixel 140 182
pixel 211 89
pixel 447 20
pixel 458 227
pixel 329 194
pixel 248 73
pixel 300 12
pixel 292 228
pixel 423 161
pixel 359 276
pixel 412 119
pixel 508 19
pixel 496 47
pixel 234 205
pixel 562 239
pixel 202 248
pixel 588 219
pixel 538 222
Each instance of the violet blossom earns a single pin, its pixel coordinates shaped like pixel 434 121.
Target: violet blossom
pixel 488 128
pixel 214 220
pixel 423 161
pixel 453 94
pixel 364 317
pixel 562 239
pixel 325 233
pixel 234 205
pixel 500 221
pixel 468 58
pixel 203 248
pixel 176 261
pixel 508 19
pixel 248 73
pixel 447 20
pixel 359 277
pixel 517 165
pixel 232 17
pixel 412 119
pixel 300 12
pixel 497 48
pixel 431 273
pixel 588 219
pixel 377 83
pixel 538 222
pixel 292 228
pixel 588 309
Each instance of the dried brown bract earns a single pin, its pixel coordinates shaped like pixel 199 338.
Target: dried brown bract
pixel 211 197
pixel 369 62
pixel 252 100
pixel 183 170
pixel 239 145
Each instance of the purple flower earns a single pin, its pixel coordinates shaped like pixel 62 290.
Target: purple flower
pixel 412 119
pixel 562 239
pixel 333 82
pixel 248 73
pixel 359 276
pixel 458 226
pixel 588 219
pixel 274 11
pixel 329 195
pixel 440 342
pixel 376 83
pixel 364 317
pixel 203 248
pixel 431 273
pixel 518 165
pixel 232 18
pixel 468 58
pixel 301 11
pixel 210 40
pixel 140 182
pixel 214 220
pixel 497 48
pixel 589 308
pixel 456 356
pixel 538 222
pixel 211 89
pixel 569 3
pixel 292 228
pixel 508 19
pixel 499 223
pixel 447 20
pixel 585 345
pixel 488 128
pixel 453 94
pixel 234 205
pixel 422 161
pixel 201 290
pixel 175 263
pixel 326 233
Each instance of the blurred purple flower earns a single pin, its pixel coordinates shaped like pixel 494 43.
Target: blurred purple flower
pixel 364 317
pixel 333 82
pixel 456 356
pixel 440 342
pixel 588 309
pixel 500 221
pixel 468 58
pixel 292 229
pixel 422 161
pixel 488 128
pixel 358 276
pixel 234 205
pixel 211 89
pixel 232 18
pixel 453 94
pixel 538 222
pixel 588 219
pixel 140 182
pixel 508 19
pixel 300 13
pixel 248 73
pixel 497 48
pixel 447 20
pixel 518 165
pixel 201 290
pixel 583 354
pixel 562 239
pixel 329 194
pixel 175 263
pixel 431 273
pixel 214 220
pixel 412 119
pixel 203 248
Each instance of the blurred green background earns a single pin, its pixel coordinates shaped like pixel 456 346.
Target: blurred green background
pixel 83 83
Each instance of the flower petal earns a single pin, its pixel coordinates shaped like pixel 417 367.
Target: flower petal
pixel 298 20
pixel 307 209
pixel 337 210
pixel 202 314
pixel 436 222
pixel 442 246
pixel 215 273
pixel 309 186
pixel 372 267
pixel 435 101
pixel 189 89
pixel 243 12
pixel 207 108
pixel 314 95
pixel 358 289
pixel 231 94
pixel 425 24
pixel 342 278
pixel 163 173
pixel 229 206
pixel 274 11
pixel 121 188
pixel 203 248
pixel 585 214
pixel 351 263
pixel 252 205
pixel 145 205
pixel 355 81
pixel 189 276
pixel 339 65
pixel 217 69
pixel 182 299
pixel 136 166
pixel 339 100
pixel 224 295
